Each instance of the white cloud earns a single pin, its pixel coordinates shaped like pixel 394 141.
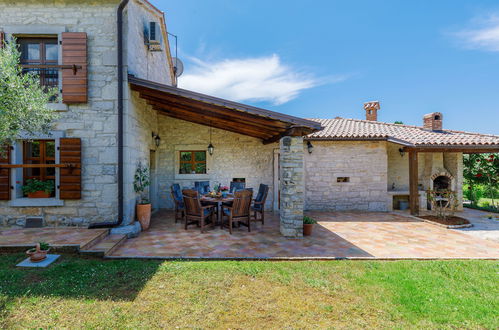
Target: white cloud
pixel 250 79
pixel 484 34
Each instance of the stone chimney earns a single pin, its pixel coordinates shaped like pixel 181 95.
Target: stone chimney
pixel 433 121
pixel 372 110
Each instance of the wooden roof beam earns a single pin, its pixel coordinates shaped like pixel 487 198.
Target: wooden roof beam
pixel 228 112
pixel 203 122
pixel 191 110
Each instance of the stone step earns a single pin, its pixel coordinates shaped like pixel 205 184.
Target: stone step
pixel 95 240
pixel 105 246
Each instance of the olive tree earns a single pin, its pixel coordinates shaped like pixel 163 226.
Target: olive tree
pixel 23 101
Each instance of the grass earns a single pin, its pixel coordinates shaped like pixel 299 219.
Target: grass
pixel 86 293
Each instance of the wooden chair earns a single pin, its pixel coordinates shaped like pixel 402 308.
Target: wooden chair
pixel 259 203
pixel 239 212
pixel 178 200
pixel 202 186
pixel 195 213
pixel 234 186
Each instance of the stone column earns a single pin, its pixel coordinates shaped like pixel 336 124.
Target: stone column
pixel 292 186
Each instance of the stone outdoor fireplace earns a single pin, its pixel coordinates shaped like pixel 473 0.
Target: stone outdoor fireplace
pixel 441 182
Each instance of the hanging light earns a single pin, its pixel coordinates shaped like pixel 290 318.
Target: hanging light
pixel 402 152
pixel 157 139
pixel 310 147
pixel 211 148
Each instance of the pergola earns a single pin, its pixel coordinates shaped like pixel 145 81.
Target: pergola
pixel 268 126
pixel 413 165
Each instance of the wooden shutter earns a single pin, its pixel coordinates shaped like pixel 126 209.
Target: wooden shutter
pixel 70 177
pixel 74 52
pixel 2 38
pixel 5 174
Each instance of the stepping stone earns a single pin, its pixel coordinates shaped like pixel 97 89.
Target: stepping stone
pixel 42 264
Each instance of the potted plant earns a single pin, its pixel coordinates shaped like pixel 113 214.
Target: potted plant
pixel 39 252
pixel 35 188
pixel 224 190
pixel 140 184
pixel 308 225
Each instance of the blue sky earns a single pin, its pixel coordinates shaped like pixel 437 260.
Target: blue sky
pixel 322 59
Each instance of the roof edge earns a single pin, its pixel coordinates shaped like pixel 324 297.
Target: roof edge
pixel 296 121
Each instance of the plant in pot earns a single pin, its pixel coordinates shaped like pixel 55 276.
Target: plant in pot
pixel 39 252
pixel 35 188
pixel 308 225
pixel 140 183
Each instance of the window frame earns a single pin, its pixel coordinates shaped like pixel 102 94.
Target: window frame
pixel 44 74
pixel 17 174
pixel 41 30
pixel 193 161
pixel 43 158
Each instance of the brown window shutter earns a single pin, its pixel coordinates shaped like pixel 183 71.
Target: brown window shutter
pixel 5 174
pixel 70 177
pixel 2 38
pixel 74 52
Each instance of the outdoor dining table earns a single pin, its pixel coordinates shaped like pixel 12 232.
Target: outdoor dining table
pixel 218 201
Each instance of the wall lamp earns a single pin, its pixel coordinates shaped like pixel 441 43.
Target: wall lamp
pixel 402 152
pixel 157 139
pixel 310 147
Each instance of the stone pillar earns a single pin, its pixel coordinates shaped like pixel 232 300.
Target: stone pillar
pixel 292 186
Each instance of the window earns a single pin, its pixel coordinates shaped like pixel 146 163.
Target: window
pixel 192 162
pixel 343 179
pixel 41 51
pixel 39 152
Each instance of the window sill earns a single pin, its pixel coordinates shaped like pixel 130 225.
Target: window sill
pixel 35 202
pixel 192 176
pixel 58 106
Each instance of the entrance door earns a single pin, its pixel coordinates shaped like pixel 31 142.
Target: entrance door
pixel 153 189
pixel 277 180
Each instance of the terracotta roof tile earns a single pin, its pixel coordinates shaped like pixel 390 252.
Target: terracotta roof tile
pixel 342 128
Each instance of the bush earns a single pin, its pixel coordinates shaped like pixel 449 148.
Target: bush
pixel 473 193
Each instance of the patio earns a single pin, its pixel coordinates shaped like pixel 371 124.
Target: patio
pixel 338 235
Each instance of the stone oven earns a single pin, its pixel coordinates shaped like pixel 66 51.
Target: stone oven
pixel 442 182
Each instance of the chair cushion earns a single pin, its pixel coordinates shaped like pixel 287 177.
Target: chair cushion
pixel 207 211
pixel 226 211
pixel 257 207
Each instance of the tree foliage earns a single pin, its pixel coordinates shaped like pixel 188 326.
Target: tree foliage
pixel 481 170
pixel 23 101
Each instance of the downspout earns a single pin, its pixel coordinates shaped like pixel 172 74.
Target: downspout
pixel 119 28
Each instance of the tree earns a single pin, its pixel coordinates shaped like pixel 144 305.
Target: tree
pixel 482 170
pixel 399 122
pixel 23 101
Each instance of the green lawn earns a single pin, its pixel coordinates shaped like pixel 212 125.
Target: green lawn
pixel 228 294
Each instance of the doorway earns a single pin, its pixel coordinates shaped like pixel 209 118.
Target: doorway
pixel 277 182
pixel 153 189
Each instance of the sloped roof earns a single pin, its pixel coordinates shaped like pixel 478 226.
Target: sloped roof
pixel 356 129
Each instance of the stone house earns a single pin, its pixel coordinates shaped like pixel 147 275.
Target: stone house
pixel 120 107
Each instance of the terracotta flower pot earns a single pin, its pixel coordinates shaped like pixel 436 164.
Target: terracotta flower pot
pixel 144 215
pixel 39 194
pixel 37 254
pixel 307 229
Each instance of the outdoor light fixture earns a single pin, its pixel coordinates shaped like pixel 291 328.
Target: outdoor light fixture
pixel 402 152
pixel 157 139
pixel 310 147
pixel 211 148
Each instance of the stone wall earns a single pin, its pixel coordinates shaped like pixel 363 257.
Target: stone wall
pixel 140 119
pixel 235 156
pixel 453 161
pixel 364 163
pixel 93 122
pixel 292 186
pixel 143 63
